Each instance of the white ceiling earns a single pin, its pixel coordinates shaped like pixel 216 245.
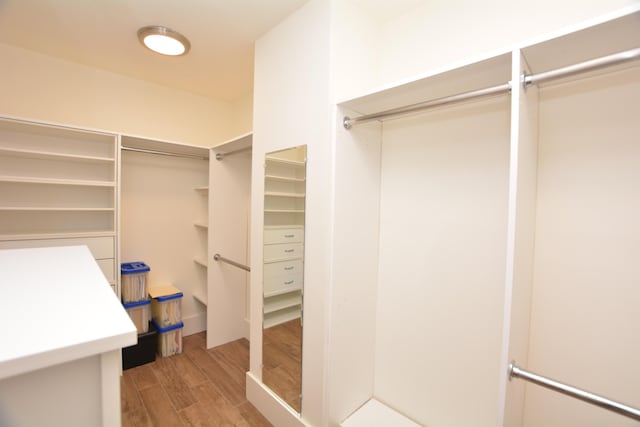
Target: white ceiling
pixel 102 34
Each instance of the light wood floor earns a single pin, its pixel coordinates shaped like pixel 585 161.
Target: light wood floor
pixel 199 387
pixel 282 361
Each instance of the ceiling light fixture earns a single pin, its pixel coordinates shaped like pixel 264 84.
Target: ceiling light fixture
pixel 163 40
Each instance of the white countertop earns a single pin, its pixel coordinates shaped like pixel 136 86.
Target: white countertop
pixel 56 306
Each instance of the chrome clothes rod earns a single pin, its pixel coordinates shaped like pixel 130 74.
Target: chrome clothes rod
pixel 585 396
pixel 582 67
pixel 220 156
pixel 219 257
pixel 348 122
pixel 164 153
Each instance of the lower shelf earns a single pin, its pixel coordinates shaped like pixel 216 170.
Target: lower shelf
pixel 373 413
pixel 281 316
pixel 200 296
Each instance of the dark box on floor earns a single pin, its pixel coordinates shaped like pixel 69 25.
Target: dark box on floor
pixel 143 352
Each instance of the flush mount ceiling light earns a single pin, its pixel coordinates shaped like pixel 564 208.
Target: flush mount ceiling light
pixel 163 40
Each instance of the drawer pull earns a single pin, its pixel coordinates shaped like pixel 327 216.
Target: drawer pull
pixel 290 282
pixel 289 236
pixel 289 268
pixel 288 251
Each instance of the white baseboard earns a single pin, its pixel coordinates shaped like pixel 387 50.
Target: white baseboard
pixel 194 324
pixel 271 406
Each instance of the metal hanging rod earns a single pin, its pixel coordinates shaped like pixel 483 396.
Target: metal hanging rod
pixel 348 122
pixel 219 257
pixel 582 67
pixel 220 156
pixel 585 396
pixel 165 153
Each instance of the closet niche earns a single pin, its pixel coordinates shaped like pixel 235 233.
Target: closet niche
pixel 500 229
pixel 284 207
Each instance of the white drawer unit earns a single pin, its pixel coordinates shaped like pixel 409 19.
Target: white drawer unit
pixel 108 269
pixel 282 251
pixel 278 235
pixel 282 277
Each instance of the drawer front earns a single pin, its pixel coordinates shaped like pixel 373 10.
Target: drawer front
pixel 282 277
pixel 282 251
pixel 100 247
pixel 283 235
pixel 108 269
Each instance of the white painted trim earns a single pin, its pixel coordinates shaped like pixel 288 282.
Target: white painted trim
pixel 195 323
pixel 271 406
pixel 110 364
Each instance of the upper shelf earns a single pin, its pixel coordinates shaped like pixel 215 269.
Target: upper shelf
pixel 164 146
pixel 283 178
pixel 589 40
pixel 56 181
pixel 37 154
pixel 238 143
pixel 288 162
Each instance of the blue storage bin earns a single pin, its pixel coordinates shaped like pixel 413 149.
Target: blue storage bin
pixel 169 339
pixel 140 314
pixel 134 281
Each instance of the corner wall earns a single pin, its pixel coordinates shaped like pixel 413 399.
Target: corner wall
pixel 291 108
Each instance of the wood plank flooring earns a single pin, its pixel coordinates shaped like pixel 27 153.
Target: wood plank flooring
pixel 282 361
pixel 199 387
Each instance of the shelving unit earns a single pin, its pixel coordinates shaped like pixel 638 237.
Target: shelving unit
pixel 502 226
pixel 284 208
pixel 229 235
pixel 200 292
pixel 57 188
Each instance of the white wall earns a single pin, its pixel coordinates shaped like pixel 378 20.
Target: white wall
pixel 434 34
pixel 442 261
pixel 291 108
pixel 584 326
pixel 369 52
pixel 158 206
pixel 41 87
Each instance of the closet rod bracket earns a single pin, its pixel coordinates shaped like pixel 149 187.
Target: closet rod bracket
pixel 346 122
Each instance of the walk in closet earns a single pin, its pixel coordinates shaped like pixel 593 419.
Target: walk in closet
pixel 164 217
pixel 501 224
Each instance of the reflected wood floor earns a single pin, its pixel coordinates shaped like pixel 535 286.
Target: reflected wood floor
pixel 282 361
pixel 199 387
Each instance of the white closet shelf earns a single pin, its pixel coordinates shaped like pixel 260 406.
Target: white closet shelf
pixel 54 209
pixel 39 236
pixel 282 305
pixel 201 261
pixel 279 317
pixel 201 224
pixel 37 154
pixel 285 162
pixel 281 292
pixel 200 296
pixel 284 194
pixel 284 210
pixel 56 181
pixel 284 178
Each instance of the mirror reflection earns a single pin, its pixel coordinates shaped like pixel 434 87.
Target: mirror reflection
pixel 284 205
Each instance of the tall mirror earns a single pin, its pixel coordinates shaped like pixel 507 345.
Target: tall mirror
pixel 284 202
